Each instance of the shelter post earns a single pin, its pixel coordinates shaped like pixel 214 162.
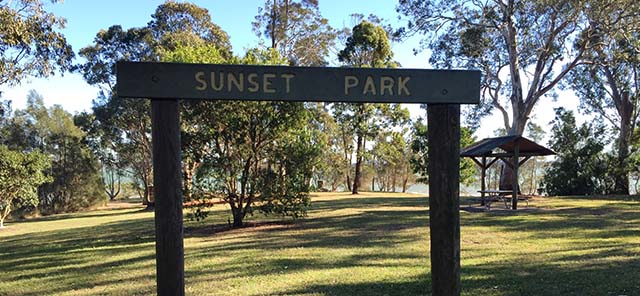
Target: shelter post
pixel 483 176
pixel 516 165
pixel 167 188
pixel 444 203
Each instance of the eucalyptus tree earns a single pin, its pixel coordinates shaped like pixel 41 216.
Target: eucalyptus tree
pixel 367 46
pixel 126 122
pixel 296 30
pixel 75 181
pixel 608 83
pixel 31 42
pixel 256 156
pixel 523 48
pixel 391 155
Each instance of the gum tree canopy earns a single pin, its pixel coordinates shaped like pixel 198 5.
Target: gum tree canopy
pixel 31 44
pixel 524 48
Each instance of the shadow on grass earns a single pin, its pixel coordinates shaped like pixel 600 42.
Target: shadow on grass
pixel 72 258
pixel 412 286
pixel 594 277
pixel 88 214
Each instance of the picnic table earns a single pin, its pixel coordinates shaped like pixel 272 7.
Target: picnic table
pixel 500 195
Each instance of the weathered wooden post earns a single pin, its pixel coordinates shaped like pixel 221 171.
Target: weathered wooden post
pixel 444 193
pixel 165 122
pixel 483 176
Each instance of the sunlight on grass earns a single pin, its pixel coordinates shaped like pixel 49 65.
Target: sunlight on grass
pixel 370 244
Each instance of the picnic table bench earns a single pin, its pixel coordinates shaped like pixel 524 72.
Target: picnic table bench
pixel 500 195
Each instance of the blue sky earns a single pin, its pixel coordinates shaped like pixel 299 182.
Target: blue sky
pixel 86 17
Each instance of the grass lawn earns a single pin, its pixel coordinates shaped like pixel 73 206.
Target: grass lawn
pixel 371 244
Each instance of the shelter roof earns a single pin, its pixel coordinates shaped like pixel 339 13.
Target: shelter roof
pixel 486 146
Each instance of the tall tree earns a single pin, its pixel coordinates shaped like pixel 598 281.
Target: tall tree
pixel 128 121
pixel 368 46
pixel 75 182
pixel 391 155
pixel 297 31
pixel 608 84
pixel 183 23
pixel 581 167
pixel 194 136
pixel 255 155
pixel 20 175
pixel 523 48
pixel 529 171
pixel 31 44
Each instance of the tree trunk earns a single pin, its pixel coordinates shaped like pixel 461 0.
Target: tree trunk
pixel 274 15
pixel 621 172
pixel 188 171
pixel 405 180
pixel 373 184
pixel 393 182
pixel 359 154
pixel 533 176
pixel 237 217
pixel 4 214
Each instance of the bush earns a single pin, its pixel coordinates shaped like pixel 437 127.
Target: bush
pixel 581 166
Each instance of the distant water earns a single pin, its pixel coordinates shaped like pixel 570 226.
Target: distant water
pixel 420 188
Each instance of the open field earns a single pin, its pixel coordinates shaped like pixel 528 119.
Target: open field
pixel 371 244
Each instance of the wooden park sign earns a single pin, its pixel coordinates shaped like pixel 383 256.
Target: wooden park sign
pixel 442 90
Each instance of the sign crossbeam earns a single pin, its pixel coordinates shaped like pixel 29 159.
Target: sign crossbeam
pixel 326 84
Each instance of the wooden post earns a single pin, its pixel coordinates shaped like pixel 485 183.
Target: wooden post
pixel 516 165
pixel 483 175
pixel 167 183
pixel 444 192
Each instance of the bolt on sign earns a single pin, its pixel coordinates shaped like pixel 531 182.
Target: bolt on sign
pixel 244 82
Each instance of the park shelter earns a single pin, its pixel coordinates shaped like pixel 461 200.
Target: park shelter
pixel 514 151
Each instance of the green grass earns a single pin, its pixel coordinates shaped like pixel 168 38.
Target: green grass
pixel 372 244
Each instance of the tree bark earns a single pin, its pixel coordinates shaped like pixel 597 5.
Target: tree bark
pixel 404 184
pixel 5 214
pixel 359 154
pixel 621 172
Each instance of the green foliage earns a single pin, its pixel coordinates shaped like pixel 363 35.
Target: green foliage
pixel 607 83
pixel 581 167
pixel 297 31
pixel 420 160
pixel 250 153
pixel 285 187
pixel 183 23
pixel 368 46
pixel 523 48
pixel 75 182
pixel 123 126
pixel 30 43
pixel 20 175
pixel 390 158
